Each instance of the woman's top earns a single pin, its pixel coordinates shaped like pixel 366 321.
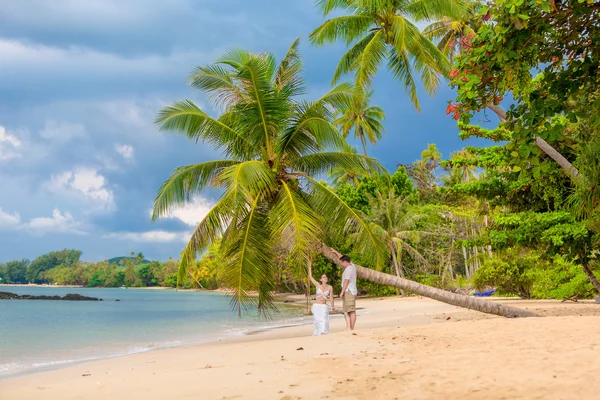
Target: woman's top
pixel 322 294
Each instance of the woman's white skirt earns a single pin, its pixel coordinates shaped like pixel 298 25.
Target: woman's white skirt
pixel 321 316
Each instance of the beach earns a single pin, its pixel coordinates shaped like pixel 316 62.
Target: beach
pixel 402 348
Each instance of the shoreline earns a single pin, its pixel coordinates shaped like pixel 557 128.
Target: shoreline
pixel 407 347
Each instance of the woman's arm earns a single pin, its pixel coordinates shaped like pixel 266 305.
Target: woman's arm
pixel 311 276
pixel 331 295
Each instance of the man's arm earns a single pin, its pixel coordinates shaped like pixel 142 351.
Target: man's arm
pixel 345 287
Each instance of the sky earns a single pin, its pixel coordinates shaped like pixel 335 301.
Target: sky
pixel 81 83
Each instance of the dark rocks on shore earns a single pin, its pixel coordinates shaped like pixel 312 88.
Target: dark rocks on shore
pixel 70 296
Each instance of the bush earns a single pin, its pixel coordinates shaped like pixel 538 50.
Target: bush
pixel 561 280
pixel 514 274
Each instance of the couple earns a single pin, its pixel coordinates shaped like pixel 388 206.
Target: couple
pixel 325 292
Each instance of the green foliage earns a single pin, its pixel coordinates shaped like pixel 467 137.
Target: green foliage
pixel 513 273
pixel 358 196
pixel 15 271
pixel 385 31
pixel 430 280
pixel 47 261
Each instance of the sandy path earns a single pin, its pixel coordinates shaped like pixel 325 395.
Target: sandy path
pixel 404 348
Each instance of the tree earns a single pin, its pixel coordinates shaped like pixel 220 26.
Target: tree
pixel 275 146
pixel 451 33
pixel 363 119
pixel 396 223
pixel 130 274
pixel 50 260
pixel 16 271
pixel 385 30
pixel 546 54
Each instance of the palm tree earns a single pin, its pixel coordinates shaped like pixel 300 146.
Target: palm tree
pixel 381 30
pixel 342 176
pixel 363 119
pixel 274 146
pixel 450 32
pixel 391 218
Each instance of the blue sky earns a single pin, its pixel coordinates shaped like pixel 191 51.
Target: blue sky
pixel 80 84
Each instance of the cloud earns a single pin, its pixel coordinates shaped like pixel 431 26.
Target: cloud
pixel 57 223
pixel 9 220
pixel 125 151
pixel 156 236
pixel 84 183
pixel 193 212
pixel 8 145
pixel 62 131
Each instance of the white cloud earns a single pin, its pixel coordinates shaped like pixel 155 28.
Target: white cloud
pixel 62 131
pixel 8 145
pixel 58 223
pixel 157 236
pixel 84 183
pixel 192 213
pixel 125 151
pixel 9 220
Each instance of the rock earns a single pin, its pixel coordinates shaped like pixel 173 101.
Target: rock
pixel 70 296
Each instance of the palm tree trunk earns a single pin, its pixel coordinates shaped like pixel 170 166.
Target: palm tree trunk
pixel 430 292
pixel 543 145
pixel 591 277
pixel 363 140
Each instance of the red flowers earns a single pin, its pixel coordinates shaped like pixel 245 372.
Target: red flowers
pixel 452 43
pixel 554 59
pixel 453 109
pixel 499 99
pixel 453 72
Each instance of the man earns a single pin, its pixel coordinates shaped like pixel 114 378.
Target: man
pixel 349 291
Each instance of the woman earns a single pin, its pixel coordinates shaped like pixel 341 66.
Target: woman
pixel 319 308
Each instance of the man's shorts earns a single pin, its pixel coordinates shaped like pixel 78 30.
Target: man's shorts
pixel 349 303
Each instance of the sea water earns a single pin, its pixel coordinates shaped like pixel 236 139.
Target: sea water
pixel 44 334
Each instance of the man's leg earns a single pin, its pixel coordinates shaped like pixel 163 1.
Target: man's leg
pixel 347 318
pixel 352 318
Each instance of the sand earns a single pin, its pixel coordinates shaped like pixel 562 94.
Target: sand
pixel 402 349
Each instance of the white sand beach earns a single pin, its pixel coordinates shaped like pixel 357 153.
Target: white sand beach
pixel 411 348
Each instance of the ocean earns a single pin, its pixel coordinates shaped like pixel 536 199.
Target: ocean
pixel 41 334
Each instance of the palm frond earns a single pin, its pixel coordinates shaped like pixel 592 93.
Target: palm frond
pixel 348 60
pixel 367 63
pixel 252 179
pixel 399 65
pixel 327 6
pixel 288 74
pixel 315 164
pixel 184 183
pixel 347 28
pixel 293 219
pixel 184 116
pixel 217 83
pixel 341 219
pixel 429 10
pixel 248 261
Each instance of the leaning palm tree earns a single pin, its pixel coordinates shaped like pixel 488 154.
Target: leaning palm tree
pixel 363 119
pixel 450 33
pixel 379 30
pixel 275 146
